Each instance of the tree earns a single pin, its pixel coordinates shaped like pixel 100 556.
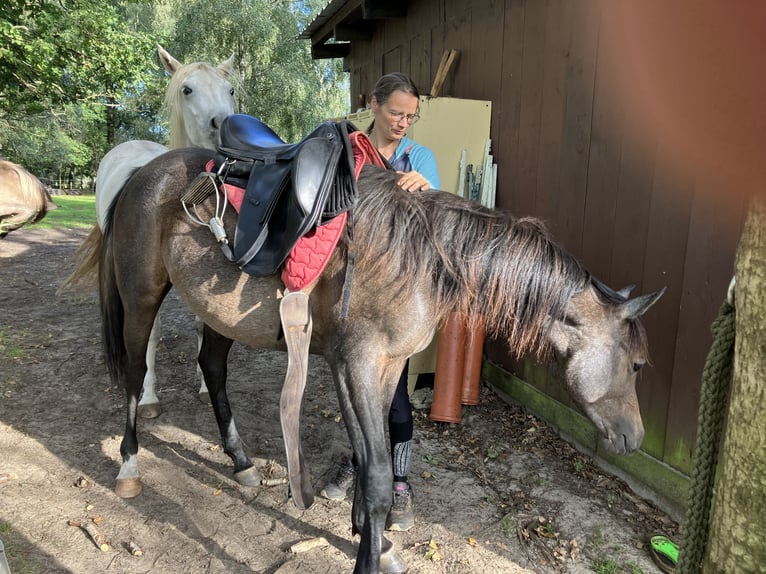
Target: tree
pixel 54 53
pixel 62 66
pixel 80 76
pixel 735 541
pixel 280 83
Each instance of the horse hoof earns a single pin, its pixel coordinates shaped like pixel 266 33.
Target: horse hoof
pixel 128 487
pixel 149 411
pixel 392 563
pixel 205 398
pixel 248 477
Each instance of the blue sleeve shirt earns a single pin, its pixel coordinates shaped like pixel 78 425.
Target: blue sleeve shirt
pixel 421 159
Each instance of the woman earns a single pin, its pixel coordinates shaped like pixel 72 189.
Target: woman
pixel 395 104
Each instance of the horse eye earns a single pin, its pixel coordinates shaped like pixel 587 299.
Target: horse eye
pixel 186 90
pixel 231 92
pixel 571 321
pixel 637 366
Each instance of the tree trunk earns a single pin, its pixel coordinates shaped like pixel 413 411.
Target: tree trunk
pixel 736 539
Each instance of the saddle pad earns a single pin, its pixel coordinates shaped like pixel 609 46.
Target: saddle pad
pixel 310 255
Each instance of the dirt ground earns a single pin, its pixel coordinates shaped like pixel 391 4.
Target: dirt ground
pixel 499 492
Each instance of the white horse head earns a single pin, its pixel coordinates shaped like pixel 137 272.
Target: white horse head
pixel 198 97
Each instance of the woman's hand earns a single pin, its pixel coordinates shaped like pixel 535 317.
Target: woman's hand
pixel 412 181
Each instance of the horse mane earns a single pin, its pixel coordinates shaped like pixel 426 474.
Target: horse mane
pixel 173 105
pixel 480 261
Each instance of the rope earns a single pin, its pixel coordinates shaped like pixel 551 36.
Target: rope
pixel 716 378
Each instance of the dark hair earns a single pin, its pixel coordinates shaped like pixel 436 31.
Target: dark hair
pixel 390 83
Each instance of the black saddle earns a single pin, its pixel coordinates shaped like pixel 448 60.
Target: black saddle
pixel 290 188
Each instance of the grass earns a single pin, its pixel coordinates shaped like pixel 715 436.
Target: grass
pixel 8 347
pixel 75 211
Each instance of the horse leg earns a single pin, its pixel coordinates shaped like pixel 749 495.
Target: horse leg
pixel 149 405
pixel 372 496
pixel 137 330
pixel 203 395
pixel 214 351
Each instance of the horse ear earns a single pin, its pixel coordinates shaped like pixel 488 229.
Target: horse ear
pixel 227 67
pixel 625 291
pixel 168 62
pixel 634 308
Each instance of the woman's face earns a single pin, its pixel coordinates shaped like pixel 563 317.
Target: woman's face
pixel 394 117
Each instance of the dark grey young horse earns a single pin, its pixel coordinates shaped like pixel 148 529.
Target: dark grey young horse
pixel 418 257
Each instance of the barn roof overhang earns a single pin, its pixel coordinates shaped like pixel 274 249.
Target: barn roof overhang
pixel 343 21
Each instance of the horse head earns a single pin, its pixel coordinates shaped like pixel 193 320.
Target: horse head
pixel 603 348
pixel 199 97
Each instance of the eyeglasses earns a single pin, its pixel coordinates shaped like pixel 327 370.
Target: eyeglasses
pixel 399 116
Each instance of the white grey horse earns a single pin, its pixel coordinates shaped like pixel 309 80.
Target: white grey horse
pixel 199 96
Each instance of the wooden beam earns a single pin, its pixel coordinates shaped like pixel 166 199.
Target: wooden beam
pixel 382 9
pixel 359 30
pixel 327 29
pixel 441 74
pixel 325 51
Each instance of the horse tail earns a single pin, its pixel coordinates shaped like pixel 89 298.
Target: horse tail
pixel 112 310
pixel 85 260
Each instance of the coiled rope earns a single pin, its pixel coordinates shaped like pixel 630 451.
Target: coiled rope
pixel 716 380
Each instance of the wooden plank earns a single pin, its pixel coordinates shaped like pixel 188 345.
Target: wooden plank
pixel 667 233
pixel 576 129
pixel 420 60
pixel 605 156
pixel 457 36
pixel 441 73
pixel 526 165
pixel 710 249
pixel 484 72
pixel 374 9
pixel 558 31
pixel 392 60
pixel 506 120
pixel 326 51
pixel 360 30
pixel 437 48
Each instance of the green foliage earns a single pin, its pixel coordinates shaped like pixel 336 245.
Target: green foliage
pixel 54 53
pixel 78 77
pixel 280 83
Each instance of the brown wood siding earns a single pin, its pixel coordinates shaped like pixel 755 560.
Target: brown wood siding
pixel 565 153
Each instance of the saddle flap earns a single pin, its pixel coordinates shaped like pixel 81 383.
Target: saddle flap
pixel 284 200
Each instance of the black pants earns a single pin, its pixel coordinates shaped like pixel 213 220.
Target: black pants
pixel 400 415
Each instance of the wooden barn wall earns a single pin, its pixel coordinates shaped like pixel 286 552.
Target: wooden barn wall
pixel 564 154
